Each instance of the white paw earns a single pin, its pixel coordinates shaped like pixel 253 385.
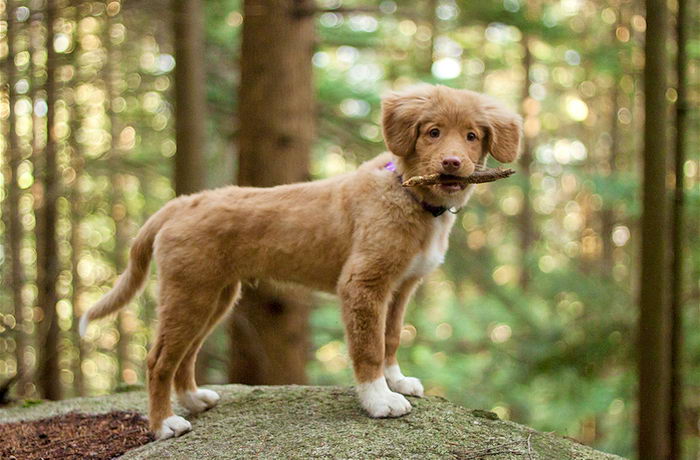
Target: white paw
pixel 376 398
pixel 173 426
pixel 410 386
pixel 198 400
pixel 401 384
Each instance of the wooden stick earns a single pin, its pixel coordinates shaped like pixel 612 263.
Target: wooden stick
pixel 477 177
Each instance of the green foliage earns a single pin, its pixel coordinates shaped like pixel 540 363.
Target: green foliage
pixel 31 402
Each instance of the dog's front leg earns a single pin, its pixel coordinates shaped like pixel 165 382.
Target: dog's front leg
pixel 364 297
pixel 394 322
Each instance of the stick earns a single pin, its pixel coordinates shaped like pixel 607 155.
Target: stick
pixel 477 177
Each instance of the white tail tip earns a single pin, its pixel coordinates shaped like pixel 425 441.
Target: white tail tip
pixel 82 328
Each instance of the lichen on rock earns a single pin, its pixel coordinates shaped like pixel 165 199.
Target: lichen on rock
pixel 303 422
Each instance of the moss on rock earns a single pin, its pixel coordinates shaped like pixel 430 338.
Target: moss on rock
pixel 302 422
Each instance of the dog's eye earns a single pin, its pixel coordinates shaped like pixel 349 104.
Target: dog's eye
pixel 434 132
pixel 471 136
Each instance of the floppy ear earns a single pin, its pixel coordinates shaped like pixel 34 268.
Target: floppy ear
pixel 504 130
pixel 400 119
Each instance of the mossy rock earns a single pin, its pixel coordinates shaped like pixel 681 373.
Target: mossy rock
pixel 303 422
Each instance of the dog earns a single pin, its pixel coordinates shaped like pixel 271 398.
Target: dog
pixel 360 235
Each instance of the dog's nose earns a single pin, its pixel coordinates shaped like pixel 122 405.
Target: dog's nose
pixel 451 164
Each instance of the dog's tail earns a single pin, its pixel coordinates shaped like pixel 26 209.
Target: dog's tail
pixel 133 279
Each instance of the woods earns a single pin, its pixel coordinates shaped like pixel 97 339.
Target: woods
pixel 569 297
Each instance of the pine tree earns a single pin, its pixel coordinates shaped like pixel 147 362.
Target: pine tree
pixel 269 332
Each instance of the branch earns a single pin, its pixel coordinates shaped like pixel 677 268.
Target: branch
pixel 477 177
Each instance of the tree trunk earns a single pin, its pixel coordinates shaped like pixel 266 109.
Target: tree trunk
pixel 525 224
pixel 47 250
pixel 190 115
pixel 76 215
pixel 190 98
pixel 13 219
pixel 119 210
pixel 269 331
pixel 608 214
pixel 431 15
pixel 76 284
pixel 120 213
pixel 654 319
pixel 677 226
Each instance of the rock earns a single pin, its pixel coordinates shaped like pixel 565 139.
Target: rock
pixel 302 422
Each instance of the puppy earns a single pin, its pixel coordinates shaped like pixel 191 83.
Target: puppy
pixel 360 235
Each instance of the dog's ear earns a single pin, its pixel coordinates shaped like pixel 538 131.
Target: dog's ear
pixel 400 119
pixel 504 128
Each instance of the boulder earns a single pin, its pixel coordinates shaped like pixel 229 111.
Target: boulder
pixel 303 422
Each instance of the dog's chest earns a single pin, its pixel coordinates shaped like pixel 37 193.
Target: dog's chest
pixel 433 252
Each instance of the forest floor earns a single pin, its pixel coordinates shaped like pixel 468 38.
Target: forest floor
pixel 278 422
pixel 74 436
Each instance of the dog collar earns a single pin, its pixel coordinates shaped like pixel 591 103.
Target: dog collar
pixel 436 211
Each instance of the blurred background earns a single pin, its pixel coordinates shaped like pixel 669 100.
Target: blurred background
pixel 109 109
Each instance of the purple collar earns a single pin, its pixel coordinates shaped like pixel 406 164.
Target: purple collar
pixel 436 211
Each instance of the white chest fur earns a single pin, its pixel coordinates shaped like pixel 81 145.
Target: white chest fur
pixel 433 252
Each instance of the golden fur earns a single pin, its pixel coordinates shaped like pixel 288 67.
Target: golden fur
pixel 360 235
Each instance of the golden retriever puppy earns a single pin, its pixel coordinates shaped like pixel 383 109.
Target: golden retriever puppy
pixel 360 235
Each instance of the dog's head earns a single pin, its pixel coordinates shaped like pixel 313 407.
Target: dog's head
pixel 436 129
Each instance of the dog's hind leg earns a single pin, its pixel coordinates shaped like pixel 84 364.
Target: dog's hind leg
pixel 200 399
pixel 180 324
